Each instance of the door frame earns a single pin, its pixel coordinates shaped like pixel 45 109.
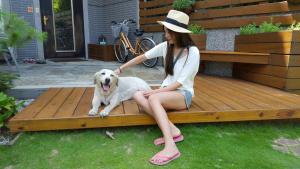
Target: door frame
pixel 38 25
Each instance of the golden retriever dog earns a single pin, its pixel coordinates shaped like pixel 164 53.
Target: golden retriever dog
pixel 111 90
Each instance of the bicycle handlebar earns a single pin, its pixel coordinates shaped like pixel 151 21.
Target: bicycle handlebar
pixel 125 21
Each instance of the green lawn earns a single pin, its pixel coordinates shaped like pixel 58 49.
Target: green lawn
pixel 212 145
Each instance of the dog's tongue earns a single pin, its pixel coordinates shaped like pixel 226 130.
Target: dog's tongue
pixel 105 88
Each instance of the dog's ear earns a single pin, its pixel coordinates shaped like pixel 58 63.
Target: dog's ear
pixel 95 76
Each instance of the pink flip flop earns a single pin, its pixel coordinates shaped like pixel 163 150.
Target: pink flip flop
pixel 160 141
pixel 163 160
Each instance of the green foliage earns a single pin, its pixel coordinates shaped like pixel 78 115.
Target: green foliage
pixel 59 5
pixel 262 28
pixel 17 31
pixel 294 27
pixel 182 4
pixel 6 81
pixel 196 29
pixel 248 29
pixel 269 27
pixel 8 107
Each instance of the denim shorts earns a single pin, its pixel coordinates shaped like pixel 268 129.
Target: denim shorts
pixel 188 97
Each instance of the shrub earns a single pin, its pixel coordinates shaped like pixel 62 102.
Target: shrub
pixel 196 29
pixel 248 29
pixel 262 28
pixel 8 107
pixel 6 81
pixel 17 31
pixel 294 27
pixel 270 27
pixel 182 4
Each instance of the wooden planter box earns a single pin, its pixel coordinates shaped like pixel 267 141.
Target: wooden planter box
pixel 102 52
pixel 283 70
pixel 199 40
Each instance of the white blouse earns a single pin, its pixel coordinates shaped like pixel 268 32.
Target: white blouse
pixel 185 68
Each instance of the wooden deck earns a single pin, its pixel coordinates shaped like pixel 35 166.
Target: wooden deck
pixel 216 100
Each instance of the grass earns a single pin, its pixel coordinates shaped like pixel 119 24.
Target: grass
pixel 223 145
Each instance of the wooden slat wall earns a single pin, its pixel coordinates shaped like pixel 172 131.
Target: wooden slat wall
pixel 283 69
pixel 221 13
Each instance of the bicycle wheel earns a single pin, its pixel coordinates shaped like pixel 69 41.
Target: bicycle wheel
pixel 121 51
pixel 145 45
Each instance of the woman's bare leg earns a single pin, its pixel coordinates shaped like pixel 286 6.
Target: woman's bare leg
pixel 144 103
pixel 170 100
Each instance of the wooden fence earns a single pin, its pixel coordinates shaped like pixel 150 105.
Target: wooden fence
pixel 222 13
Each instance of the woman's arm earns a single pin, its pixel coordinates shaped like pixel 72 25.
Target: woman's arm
pixel 170 87
pixel 130 63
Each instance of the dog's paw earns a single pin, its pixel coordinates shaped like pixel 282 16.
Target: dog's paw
pixel 104 113
pixel 92 112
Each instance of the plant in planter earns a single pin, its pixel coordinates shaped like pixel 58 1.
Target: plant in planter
pixel 17 32
pixel 198 35
pixel 186 6
pixel 283 45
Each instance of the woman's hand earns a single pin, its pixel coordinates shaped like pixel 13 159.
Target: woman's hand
pixel 118 71
pixel 150 92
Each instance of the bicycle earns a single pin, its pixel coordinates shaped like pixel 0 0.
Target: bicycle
pixel 122 45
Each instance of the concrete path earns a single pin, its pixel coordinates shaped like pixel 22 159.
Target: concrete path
pixel 73 74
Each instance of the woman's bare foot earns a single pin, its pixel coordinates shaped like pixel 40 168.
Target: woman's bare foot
pixel 166 155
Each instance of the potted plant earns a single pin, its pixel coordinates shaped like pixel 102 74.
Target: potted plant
pixel 198 35
pixel 283 45
pixel 186 6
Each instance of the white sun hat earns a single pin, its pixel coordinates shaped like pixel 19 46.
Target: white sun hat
pixel 176 21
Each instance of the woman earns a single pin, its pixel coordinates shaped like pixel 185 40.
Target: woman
pixel 181 60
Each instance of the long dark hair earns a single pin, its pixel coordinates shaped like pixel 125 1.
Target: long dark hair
pixel 182 40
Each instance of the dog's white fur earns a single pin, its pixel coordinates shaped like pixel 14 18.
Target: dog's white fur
pixel 117 90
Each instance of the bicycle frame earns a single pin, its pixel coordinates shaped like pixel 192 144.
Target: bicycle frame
pixel 128 43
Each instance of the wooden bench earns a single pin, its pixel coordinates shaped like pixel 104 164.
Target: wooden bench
pixel 235 57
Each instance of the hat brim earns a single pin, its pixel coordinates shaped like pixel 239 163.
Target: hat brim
pixel 174 27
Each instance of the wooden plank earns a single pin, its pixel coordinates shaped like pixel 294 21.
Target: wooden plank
pixel 284 60
pixel 131 107
pixel 155 3
pixel 36 106
pixel 262 79
pixel 133 120
pixel 257 92
pixel 224 97
pixel 266 8
pixel 294 91
pixel 216 103
pixel 152 28
pixel 85 104
pixel 217 3
pixel 119 110
pixel 238 22
pixel 49 110
pixel 292 84
pixel 223 56
pixel 293 72
pixel 149 20
pixel 235 95
pixel 274 48
pixel 270 37
pixel 155 11
pixel 280 60
pixel 277 71
pixel 68 107
pixel 233 22
pixel 294 60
